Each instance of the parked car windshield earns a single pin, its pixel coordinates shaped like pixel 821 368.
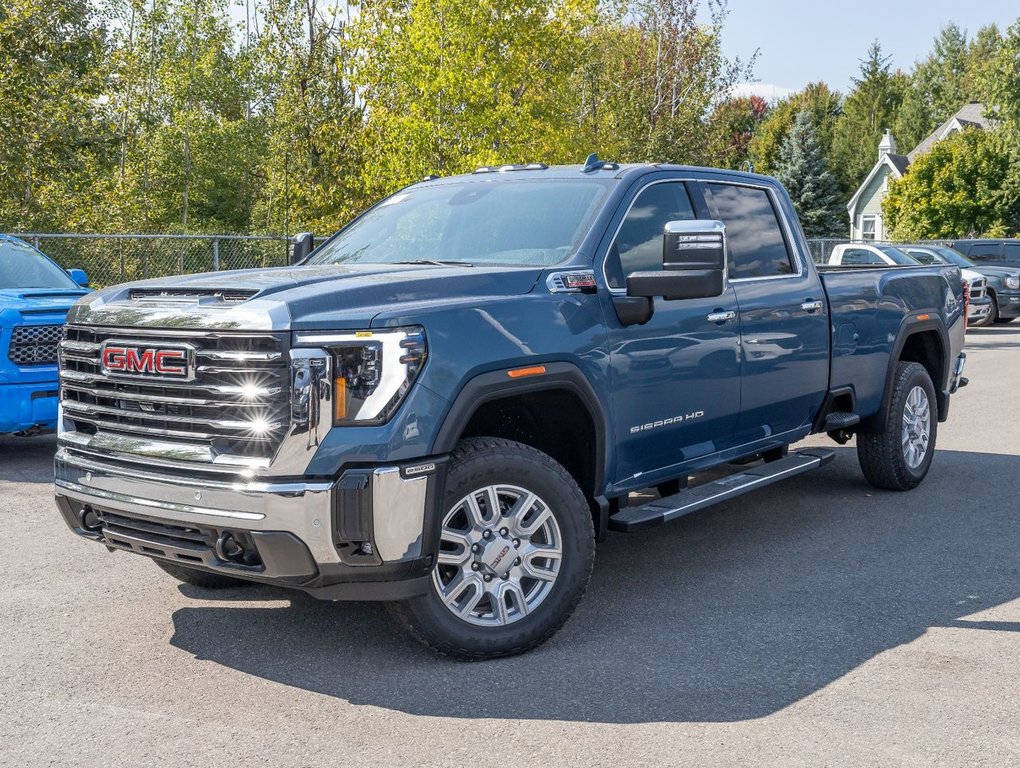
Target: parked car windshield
pixel 954 257
pixel 898 256
pixel 24 267
pixel 502 222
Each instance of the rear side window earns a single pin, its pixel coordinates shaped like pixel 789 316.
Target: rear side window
pixel 638 244
pixel 757 247
pixel 984 251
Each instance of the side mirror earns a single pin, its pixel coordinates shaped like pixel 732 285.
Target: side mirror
pixel 304 244
pixel 79 276
pixel 693 263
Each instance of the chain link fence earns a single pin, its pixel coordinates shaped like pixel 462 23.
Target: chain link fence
pixel 111 259
pixel 821 248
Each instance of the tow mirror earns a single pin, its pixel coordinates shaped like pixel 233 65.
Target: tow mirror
pixel 304 244
pixel 79 276
pixel 693 263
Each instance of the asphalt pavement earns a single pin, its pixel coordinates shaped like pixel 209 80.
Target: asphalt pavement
pixel 816 622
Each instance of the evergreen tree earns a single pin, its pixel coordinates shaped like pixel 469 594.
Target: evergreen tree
pixel 867 112
pixel 820 101
pixel 813 189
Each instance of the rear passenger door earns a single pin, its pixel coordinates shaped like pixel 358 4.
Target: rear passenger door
pixel 784 321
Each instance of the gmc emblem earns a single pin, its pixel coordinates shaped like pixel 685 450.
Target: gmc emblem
pixel 131 360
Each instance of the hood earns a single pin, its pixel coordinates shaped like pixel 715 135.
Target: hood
pixel 1001 272
pixel 970 275
pixel 38 301
pixel 308 297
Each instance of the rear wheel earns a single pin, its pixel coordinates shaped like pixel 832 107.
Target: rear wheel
pixel 197 578
pixel 516 550
pixel 898 458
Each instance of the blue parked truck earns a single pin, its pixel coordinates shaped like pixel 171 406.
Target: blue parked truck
pixel 35 294
pixel 450 401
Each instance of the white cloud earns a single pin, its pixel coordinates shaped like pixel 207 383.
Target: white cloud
pixel 768 91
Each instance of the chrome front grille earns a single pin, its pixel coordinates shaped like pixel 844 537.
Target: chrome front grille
pixel 978 289
pixel 34 344
pixel 235 411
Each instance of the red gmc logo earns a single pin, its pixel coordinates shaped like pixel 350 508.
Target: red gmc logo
pixel 146 361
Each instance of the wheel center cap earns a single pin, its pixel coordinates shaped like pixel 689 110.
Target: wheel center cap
pixel 498 555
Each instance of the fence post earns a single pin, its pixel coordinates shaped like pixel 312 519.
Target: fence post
pixel 216 254
pixel 35 241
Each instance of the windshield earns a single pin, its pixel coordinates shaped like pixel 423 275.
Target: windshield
pixel 24 267
pixel 525 223
pixel 898 256
pixel 954 257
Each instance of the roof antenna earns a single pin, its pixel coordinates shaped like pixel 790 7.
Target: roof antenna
pixel 592 163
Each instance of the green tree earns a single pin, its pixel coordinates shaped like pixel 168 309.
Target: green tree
pixel 448 85
pixel 734 123
pixel 55 129
pixel 803 171
pixel 867 112
pixel 312 174
pixel 652 76
pixel 823 105
pixel 961 188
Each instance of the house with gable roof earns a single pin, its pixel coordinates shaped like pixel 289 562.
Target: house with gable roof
pixel 865 207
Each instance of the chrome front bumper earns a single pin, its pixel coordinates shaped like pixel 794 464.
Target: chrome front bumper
pixel 370 524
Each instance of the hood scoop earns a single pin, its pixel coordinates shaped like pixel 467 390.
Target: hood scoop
pixel 204 296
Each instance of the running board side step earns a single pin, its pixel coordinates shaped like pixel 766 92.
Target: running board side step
pixel 693 499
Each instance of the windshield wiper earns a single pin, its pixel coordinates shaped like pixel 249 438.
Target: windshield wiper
pixel 436 262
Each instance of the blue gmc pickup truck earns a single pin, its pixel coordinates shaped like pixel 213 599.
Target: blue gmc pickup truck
pixel 449 402
pixel 35 295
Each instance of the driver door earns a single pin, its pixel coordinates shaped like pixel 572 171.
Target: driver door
pixel 676 379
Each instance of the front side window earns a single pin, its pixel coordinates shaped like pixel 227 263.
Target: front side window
pixel 924 257
pixel 868 228
pixel 504 222
pixel 638 244
pixel 1011 254
pixel 23 267
pixel 855 257
pixel 754 235
pixel 897 256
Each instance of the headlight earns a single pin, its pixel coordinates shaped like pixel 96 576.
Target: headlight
pixel 1013 282
pixel 372 371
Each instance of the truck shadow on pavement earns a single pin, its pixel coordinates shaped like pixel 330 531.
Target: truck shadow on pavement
pixel 729 614
pixel 27 459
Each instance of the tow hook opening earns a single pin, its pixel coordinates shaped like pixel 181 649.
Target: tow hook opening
pixel 89 520
pixel 230 550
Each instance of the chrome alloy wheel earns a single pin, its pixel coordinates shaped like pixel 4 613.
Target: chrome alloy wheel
pixel 500 551
pixel 916 427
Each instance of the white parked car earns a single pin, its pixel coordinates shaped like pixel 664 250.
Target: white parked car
pixel 865 254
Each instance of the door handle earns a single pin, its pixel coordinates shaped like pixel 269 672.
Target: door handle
pixel 811 306
pixel 721 317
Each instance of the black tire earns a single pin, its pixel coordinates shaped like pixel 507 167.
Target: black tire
pixel 881 454
pixel 475 464
pixel 993 312
pixel 197 578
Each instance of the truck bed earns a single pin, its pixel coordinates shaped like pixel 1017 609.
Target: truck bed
pixel 863 342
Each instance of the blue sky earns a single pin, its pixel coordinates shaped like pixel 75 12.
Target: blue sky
pixel 801 41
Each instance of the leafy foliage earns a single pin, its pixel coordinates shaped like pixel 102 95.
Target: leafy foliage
pixel 960 188
pixel 867 112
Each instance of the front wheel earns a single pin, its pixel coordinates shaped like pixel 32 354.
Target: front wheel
pixel 898 458
pixel 516 550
